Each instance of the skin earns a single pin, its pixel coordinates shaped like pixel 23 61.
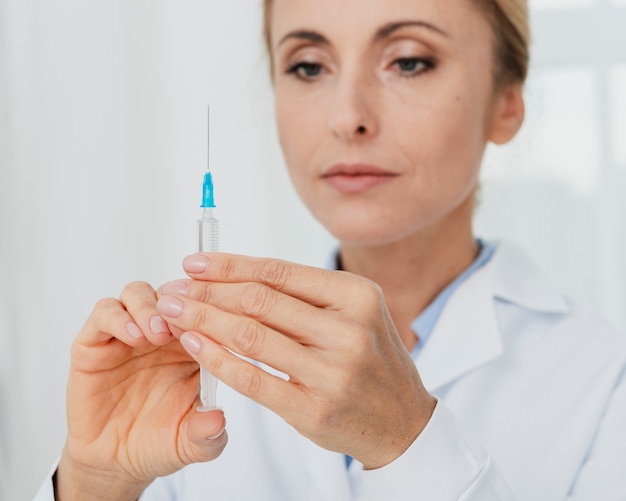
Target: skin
pixel 408 122
pixel 131 398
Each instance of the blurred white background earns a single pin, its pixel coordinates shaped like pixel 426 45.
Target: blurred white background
pixel 103 147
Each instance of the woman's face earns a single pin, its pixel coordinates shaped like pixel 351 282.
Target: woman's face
pixel 384 110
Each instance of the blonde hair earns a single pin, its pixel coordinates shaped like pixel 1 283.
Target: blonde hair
pixel 510 24
pixel 511 27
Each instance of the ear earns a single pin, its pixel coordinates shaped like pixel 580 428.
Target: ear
pixel 508 114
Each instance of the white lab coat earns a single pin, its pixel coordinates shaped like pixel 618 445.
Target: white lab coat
pixel 532 406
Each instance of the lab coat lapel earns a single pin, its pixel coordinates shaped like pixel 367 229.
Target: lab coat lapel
pixel 516 279
pixel 466 335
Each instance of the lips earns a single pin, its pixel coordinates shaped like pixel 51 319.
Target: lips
pixel 357 178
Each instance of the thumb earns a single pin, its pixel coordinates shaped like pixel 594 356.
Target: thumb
pixel 206 436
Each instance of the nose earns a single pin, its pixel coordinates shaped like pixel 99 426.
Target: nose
pixel 352 113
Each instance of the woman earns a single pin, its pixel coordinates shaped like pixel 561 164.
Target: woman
pixel 434 367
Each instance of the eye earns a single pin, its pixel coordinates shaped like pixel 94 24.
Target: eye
pixel 305 71
pixel 412 66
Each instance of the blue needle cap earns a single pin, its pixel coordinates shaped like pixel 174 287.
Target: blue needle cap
pixel 208 198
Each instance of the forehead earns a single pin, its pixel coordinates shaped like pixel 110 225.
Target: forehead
pixel 358 20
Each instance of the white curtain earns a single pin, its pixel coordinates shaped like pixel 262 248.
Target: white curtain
pixel 102 151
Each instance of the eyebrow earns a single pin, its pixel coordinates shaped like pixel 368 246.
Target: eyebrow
pixel 311 36
pixel 384 32
pixel 387 30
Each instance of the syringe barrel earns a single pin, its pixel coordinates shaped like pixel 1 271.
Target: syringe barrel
pixel 208 391
pixel 208 241
pixel 208 232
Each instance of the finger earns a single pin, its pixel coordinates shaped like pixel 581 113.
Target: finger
pixel 301 321
pixel 139 299
pixel 242 335
pixel 205 436
pixel 110 320
pixel 318 287
pixel 176 288
pixel 278 395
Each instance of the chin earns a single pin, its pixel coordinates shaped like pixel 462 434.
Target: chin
pixel 368 235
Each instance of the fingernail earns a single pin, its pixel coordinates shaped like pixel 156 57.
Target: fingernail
pixel 133 330
pixel 176 288
pixel 191 343
pixel 218 434
pixel 169 306
pixel 158 326
pixel 195 263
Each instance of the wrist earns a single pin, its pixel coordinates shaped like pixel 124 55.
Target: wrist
pixel 73 481
pixel 404 438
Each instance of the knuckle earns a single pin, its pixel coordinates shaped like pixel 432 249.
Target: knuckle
pixel 274 272
pixel 256 300
pixel 206 293
pixel 201 319
pixel 138 296
pixel 105 304
pixel 145 306
pixel 107 312
pixel 135 287
pixel 228 267
pixel 248 340
pixel 250 383
pixel 371 293
pixel 215 364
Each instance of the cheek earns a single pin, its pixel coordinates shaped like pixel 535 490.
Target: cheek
pixel 293 144
pixel 443 138
pixel 459 136
pixel 301 128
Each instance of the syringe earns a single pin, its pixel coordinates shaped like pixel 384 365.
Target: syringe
pixel 208 241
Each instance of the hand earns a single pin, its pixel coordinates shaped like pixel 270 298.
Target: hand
pixel 131 402
pixel 352 386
